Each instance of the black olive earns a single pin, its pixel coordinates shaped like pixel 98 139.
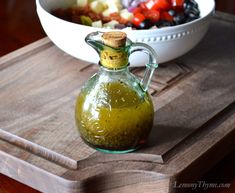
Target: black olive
pixel 179 19
pixel 119 26
pixel 163 23
pixel 189 20
pixel 192 13
pixel 193 16
pixel 129 24
pixel 146 24
pixel 172 12
pixel 186 6
pixel 190 4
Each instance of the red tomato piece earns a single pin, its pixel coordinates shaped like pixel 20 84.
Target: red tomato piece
pixel 157 4
pixel 138 18
pixel 136 10
pixel 177 5
pixel 152 15
pixel 143 6
pixel 166 16
pixel 149 4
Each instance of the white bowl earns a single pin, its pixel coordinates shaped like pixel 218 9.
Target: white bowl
pixel 169 42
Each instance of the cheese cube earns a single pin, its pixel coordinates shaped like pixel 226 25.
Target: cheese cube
pixel 97 6
pixel 125 14
pixel 97 24
pixel 111 24
pixel 82 3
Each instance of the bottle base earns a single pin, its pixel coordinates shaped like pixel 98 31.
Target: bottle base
pixel 115 151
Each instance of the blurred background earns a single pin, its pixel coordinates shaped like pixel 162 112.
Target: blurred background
pixel 19 24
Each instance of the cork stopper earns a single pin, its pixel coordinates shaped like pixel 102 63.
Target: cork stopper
pixel 115 39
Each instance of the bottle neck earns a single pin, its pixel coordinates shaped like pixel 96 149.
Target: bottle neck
pixel 114 59
pixel 108 69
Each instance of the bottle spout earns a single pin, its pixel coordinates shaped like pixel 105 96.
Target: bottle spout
pixel 94 40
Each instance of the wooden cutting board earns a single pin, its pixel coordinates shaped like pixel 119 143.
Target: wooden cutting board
pixel 194 126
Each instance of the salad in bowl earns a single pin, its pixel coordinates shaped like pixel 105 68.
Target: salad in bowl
pixel 136 14
pixel 171 27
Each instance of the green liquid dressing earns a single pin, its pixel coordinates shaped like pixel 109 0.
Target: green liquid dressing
pixel 114 117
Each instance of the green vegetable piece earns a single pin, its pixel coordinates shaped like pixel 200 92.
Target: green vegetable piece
pixel 85 20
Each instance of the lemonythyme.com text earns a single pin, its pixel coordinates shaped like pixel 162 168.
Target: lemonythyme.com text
pixel 200 185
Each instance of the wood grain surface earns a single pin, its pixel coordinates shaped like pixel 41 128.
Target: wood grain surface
pixel 194 120
pixel 223 172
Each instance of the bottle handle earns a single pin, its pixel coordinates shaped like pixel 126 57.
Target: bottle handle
pixel 150 66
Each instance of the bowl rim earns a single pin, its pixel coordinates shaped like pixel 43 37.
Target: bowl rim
pixel 128 30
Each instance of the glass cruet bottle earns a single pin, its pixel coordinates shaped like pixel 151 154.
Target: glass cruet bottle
pixel 114 112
